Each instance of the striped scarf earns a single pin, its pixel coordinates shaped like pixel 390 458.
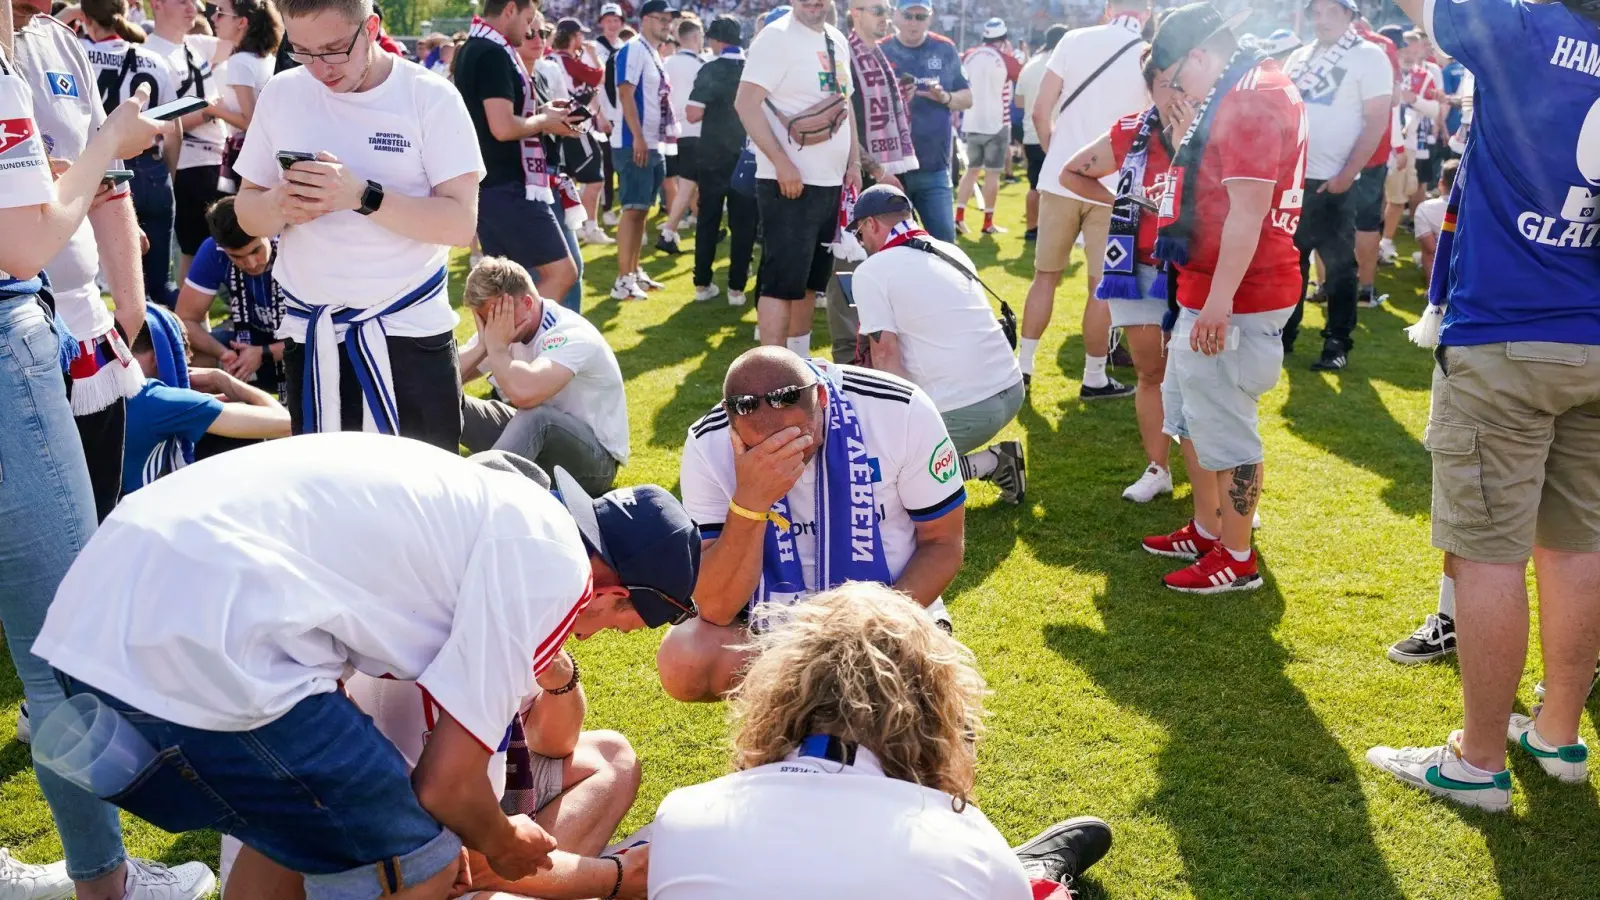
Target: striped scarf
pixel 535 168
pixel 1121 281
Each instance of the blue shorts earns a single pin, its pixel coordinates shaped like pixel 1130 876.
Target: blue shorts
pixel 638 186
pixel 319 791
pixel 527 232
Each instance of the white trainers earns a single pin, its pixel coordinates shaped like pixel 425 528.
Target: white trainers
pixel 706 292
pixel 592 234
pixel 1154 482
pixel 646 282
pixel 1387 253
pixel 148 880
pixel 611 218
pixel 24 727
pixel 626 288
pixel 735 298
pixel 21 881
pixel 1570 763
pixel 1441 771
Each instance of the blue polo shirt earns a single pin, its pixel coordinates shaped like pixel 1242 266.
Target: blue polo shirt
pixel 157 418
pixel 932 124
pixel 1526 263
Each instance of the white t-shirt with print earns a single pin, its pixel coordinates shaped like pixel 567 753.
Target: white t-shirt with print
pixel 25 178
pixel 68 109
pixel 246 70
pixel 369 553
pixel 409 134
pixel 202 144
pixel 1118 91
pixel 1333 109
pixel 1429 218
pixel 637 64
pixel 950 341
pixel 595 395
pixel 791 62
pixel 1027 89
pixel 149 68
pixel 986 73
pixel 916 474
pixel 681 68
pixel 875 837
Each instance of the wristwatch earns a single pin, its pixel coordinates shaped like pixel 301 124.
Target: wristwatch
pixel 371 198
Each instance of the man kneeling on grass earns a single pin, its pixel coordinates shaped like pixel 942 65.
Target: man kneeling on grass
pixel 806 476
pixel 857 683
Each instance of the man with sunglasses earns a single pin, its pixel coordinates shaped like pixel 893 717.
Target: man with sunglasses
pixel 808 475
pixel 365 225
pixel 941 90
pixel 241 613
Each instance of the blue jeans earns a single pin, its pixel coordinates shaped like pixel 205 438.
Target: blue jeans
pixel 153 206
pixel 935 201
pixel 573 299
pixel 46 516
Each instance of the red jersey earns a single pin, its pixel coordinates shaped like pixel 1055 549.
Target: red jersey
pixel 1258 134
pixel 1156 163
pixel 1381 155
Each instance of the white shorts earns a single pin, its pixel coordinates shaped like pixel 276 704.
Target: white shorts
pixel 1212 400
pixel 1148 311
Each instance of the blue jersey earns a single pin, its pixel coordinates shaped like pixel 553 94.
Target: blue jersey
pixel 157 417
pixel 1452 86
pixel 932 124
pixel 1526 265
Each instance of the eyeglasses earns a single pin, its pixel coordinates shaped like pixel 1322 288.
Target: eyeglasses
pixel 332 57
pixel 782 398
pixel 684 612
pixel 914 17
pixel 218 13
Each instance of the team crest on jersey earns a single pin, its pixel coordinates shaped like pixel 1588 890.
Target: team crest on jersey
pixel 942 462
pixel 62 84
pixel 552 342
pixel 14 133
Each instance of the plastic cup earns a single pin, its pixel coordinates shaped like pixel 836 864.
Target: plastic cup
pixel 91 745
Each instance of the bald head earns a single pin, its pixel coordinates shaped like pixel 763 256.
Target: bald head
pixel 765 369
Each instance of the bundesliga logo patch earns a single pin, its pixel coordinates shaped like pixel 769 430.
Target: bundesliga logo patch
pixel 14 132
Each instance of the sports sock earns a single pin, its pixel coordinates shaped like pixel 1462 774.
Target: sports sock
pixel 1238 555
pixel 988 218
pixel 1094 372
pixel 979 465
pixel 800 345
pixel 1026 347
pixel 1447 597
pixel 1201 530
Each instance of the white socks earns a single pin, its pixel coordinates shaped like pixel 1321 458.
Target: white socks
pixel 800 346
pixel 1447 597
pixel 1026 347
pixel 979 465
pixel 1094 372
pixel 1238 555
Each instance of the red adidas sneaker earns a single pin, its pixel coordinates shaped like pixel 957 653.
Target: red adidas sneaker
pixel 1215 573
pixel 1185 543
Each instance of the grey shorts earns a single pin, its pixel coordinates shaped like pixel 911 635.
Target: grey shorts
pixel 542 785
pixel 988 151
pixel 1212 400
pixel 973 426
pixel 1149 311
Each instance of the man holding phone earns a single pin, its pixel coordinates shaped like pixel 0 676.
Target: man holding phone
pixel 366 227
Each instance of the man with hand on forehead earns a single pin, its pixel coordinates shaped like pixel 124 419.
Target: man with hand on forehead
pixel 806 476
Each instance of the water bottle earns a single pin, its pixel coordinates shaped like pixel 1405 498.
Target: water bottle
pixel 91 745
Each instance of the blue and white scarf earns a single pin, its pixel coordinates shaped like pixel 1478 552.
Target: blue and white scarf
pixel 361 333
pixel 39 285
pixel 172 369
pixel 1121 281
pixel 849 545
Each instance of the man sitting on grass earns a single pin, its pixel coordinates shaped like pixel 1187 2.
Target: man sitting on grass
pixel 562 400
pixel 806 476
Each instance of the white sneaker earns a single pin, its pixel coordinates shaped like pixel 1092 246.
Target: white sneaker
pixel 24 727
pixel 626 288
pixel 688 223
pixel 646 282
pixel 1569 763
pixel 1387 253
pixel 1154 482
pixel 1255 522
pixel 1441 771
pixel 735 298
pixel 21 881
pixel 149 880
pixel 706 292
pixel 1416 259
pixel 593 234
pixel 611 218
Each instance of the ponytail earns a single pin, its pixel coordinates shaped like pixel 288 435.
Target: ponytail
pixel 126 30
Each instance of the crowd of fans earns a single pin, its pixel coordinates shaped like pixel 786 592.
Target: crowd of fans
pixel 261 663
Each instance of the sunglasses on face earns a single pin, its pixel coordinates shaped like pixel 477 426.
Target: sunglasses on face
pixel 914 17
pixel 684 612
pixel 782 398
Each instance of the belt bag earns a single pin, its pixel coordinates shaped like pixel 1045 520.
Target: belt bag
pixel 816 124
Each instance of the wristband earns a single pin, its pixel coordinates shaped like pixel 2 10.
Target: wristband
pixel 615 888
pixel 572 683
pixel 768 516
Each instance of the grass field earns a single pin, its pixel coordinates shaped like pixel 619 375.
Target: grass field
pixel 1223 737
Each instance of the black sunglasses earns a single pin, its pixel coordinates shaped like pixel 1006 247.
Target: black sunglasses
pixel 914 17
pixel 782 398
pixel 685 613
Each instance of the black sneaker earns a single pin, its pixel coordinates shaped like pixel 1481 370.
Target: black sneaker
pixel 1065 850
pixel 1120 357
pixel 1027 382
pixel 668 247
pixel 1111 390
pixel 1334 357
pixel 1032 234
pixel 1436 639
pixel 1011 475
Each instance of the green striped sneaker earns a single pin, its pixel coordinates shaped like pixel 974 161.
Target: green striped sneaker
pixel 1570 763
pixel 1442 772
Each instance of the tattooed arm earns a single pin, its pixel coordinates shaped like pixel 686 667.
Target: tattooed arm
pixel 886 353
pixel 1082 173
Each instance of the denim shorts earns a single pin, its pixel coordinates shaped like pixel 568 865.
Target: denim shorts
pixel 1212 400
pixel 638 186
pixel 319 791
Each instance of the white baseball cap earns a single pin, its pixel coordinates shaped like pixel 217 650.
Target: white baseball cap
pixel 994 28
pixel 610 9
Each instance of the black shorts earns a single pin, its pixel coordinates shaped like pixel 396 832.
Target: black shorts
pixel 427 388
pixel 1035 155
pixel 793 259
pixel 525 231
pixel 581 159
pixel 685 163
pixel 1428 171
pixel 1016 131
pixel 1368 195
pixel 193 191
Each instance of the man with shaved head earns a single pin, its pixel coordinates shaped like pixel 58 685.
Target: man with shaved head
pixel 805 476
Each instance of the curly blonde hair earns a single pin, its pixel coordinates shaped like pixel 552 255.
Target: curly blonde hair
pixel 867 665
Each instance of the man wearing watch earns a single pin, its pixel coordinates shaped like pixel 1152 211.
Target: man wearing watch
pixel 938 90
pixel 365 228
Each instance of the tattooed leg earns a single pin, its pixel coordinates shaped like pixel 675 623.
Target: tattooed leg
pixel 1239 506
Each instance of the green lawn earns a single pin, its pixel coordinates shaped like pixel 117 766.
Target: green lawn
pixel 1223 737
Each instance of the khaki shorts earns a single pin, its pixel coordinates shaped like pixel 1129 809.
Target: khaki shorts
pixel 1061 220
pixel 1400 185
pixel 1515 438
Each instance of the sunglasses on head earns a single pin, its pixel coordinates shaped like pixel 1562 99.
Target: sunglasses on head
pixel 782 398
pixel 914 17
pixel 684 612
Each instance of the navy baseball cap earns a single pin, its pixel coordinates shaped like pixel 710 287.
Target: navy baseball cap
pixel 878 200
pixel 725 29
pixel 645 535
pixel 1186 28
pixel 651 7
pixel 1396 35
pixel 570 24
